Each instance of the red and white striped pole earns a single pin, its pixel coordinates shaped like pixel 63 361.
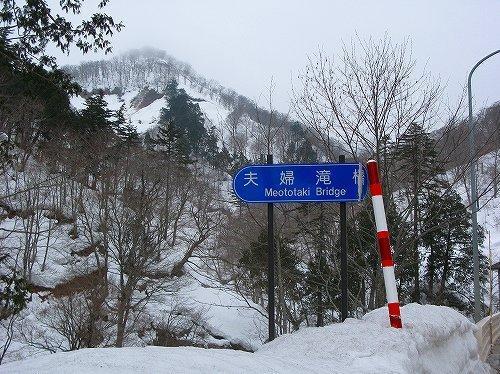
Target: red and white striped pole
pixel 384 245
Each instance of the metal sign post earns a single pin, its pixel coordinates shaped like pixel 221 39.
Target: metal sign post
pixel 343 255
pixel 270 264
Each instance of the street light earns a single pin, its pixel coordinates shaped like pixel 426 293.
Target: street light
pixel 473 187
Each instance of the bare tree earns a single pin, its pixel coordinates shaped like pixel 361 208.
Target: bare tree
pixel 362 103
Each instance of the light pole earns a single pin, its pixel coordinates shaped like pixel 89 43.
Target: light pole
pixel 473 188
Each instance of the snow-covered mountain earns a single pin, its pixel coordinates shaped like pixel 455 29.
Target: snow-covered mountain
pixel 137 79
pixel 144 114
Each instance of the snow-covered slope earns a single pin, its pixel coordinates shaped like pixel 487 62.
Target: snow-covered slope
pixel 145 118
pixel 434 340
pixel 125 76
pixel 62 258
pixel 488 215
pixel 489 205
pixel 62 263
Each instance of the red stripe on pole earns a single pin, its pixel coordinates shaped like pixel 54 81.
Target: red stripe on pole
pixel 395 315
pixel 393 308
pixel 376 189
pixel 385 251
pixel 372 172
pixel 396 322
pixel 386 263
pixel 382 234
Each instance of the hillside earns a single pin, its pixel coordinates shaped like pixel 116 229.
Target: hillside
pixel 67 262
pixel 129 78
pixel 177 297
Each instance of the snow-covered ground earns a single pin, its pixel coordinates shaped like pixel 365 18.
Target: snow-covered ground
pixel 433 340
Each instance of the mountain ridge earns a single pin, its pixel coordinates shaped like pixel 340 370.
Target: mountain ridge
pixel 153 68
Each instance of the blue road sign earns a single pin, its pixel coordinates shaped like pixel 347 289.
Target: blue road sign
pixel 285 183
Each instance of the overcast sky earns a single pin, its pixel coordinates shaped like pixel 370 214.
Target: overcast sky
pixel 243 44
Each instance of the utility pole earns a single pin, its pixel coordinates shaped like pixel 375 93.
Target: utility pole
pixel 473 187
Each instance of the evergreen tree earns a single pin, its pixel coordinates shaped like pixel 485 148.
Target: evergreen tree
pixel 418 171
pixel 28 90
pixel 171 89
pixel 319 279
pixel 223 159
pixel 253 261
pixel 149 142
pixel 447 235
pixel 209 150
pixel 129 134
pixel 124 130
pixel 120 120
pixel 300 149
pixel 321 287
pixel 170 141
pixel 96 116
pixel 96 135
pixel 14 294
pixel 186 117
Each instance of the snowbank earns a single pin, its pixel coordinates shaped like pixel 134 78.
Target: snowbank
pixel 433 340
pixel 229 316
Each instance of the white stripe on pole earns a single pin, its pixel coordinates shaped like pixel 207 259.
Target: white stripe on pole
pixel 390 284
pixel 378 209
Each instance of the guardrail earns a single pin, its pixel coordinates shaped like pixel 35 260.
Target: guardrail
pixel 487 334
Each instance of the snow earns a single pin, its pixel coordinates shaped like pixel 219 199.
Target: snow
pixel 146 118
pixel 488 215
pixel 114 101
pixel 433 340
pixel 143 119
pixel 230 316
pixel 223 313
pixel 77 102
